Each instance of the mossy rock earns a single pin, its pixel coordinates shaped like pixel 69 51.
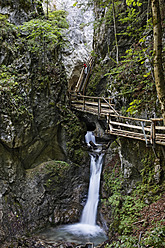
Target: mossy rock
pixel 51 171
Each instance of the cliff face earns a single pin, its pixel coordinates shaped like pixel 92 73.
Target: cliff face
pixel 19 11
pixel 37 130
pixel 79 35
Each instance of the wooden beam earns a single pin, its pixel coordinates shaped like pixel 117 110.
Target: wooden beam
pixel 160 127
pixel 99 107
pixel 105 105
pixel 156 119
pixel 131 118
pixel 129 126
pixel 110 105
pixel 91 97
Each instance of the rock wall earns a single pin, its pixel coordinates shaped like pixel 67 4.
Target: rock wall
pixel 37 132
pixel 19 11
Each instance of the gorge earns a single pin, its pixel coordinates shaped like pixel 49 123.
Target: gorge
pixel 44 160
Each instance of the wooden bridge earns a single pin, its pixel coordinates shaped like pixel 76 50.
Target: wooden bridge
pixel 151 131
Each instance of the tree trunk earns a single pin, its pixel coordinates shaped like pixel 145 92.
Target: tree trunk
pixel 158 67
pixel 114 21
pixel 162 9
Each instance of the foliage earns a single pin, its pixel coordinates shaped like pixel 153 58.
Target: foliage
pixel 128 210
pixel 155 238
pixel 129 2
pixel 131 80
pixel 125 208
pixel 124 242
pixel 30 54
pixel 133 106
pixel 42 32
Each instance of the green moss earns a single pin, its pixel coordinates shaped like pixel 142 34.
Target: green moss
pixel 75 131
pixel 56 171
pixel 53 173
pixel 96 84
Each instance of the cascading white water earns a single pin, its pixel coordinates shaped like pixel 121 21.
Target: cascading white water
pixel 86 230
pixel 90 209
pixel 87 225
pixel 90 137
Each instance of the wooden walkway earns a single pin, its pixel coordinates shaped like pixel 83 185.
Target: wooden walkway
pixel 84 78
pixel 151 131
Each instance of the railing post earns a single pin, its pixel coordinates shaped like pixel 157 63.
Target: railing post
pixel 108 123
pixel 99 107
pixel 110 126
pixel 69 96
pixel 153 134
pixel 83 103
pixel 145 137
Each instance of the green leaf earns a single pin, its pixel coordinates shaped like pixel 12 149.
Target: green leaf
pixel 74 5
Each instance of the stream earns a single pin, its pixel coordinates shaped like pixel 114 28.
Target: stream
pixel 86 230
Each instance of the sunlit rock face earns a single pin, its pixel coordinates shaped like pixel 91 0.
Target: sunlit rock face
pixel 19 11
pixel 79 34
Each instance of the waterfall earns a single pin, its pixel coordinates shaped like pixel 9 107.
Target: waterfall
pixel 90 209
pixel 86 230
pixel 87 225
pixel 90 137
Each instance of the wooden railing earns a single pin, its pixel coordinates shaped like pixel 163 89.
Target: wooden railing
pixel 83 79
pixel 151 131
pixel 95 105
pixel 136 128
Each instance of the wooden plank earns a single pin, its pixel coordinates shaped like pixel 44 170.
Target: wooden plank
pixel 104 105
pixel 160 135
pixel 95 108
pixel 160 127
pixel 127 136
pixel 160 143
pixel 78 85
pixel 99 107
pixel 92 97
pixel 104 110
pixel 114 110
pixel 129 126
pixel 157 119
pixel 130 133
pixel 86 111
pixel 91 110
pixel 130 118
